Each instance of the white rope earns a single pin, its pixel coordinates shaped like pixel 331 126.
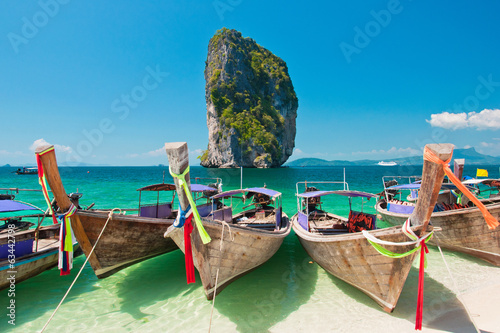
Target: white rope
pixel 457 292
pixel 81 269
pixel 224 223
pixel 405 229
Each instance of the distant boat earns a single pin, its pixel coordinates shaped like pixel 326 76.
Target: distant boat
pixel 382 163
pixel 27 171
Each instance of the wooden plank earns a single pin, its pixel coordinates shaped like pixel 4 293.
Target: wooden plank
pixel 178 161
pixel 432 178
pixel 458 167
pixel 53 177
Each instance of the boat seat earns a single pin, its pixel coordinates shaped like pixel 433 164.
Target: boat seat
pixel 224 214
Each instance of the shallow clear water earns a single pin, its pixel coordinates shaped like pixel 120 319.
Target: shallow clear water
pixel 288 293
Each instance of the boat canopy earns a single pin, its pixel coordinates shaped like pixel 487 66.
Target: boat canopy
pixel 315 194
pixel 271 193
pixel 479 181
pixel 14 206
pixel 416 186
pixel 171 187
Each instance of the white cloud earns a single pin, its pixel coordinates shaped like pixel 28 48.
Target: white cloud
pixel 59 148
pixel 467 146
pixel 448 120
pixel 488 119
pixel 297 151
pixel 196 152
pixel 158 152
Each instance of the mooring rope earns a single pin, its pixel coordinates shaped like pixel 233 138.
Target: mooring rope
pixel 81 269
pixel 224 223
pixel 455 286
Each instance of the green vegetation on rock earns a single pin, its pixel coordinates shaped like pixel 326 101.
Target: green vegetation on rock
pixel 242 96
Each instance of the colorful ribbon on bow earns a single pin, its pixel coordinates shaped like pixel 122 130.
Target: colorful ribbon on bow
pixel 205 238
pixel 183 219
pixel 431 157
pixel 43 182
pixel 420 244
pixel 66 239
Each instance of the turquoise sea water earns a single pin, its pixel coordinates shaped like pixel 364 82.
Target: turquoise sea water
pixel 289 293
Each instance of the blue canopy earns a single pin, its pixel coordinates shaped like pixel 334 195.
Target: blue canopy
pixel 415 186
pixel 315 194
pixel 171 187
pixel 14 206
pixel 273 194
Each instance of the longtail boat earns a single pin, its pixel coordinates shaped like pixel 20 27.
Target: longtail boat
pixel 127 239
pixel 338 246
pixel 462 225
pixel 25 253
pixel 240 242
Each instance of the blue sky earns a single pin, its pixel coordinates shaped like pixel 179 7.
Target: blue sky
pixel 110 84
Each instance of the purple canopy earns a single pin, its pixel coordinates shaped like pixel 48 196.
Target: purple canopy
pixel 201 188
pixel 273 194
pixel 171 187
pixel 14 206
pixel 314 194
pixel 415 186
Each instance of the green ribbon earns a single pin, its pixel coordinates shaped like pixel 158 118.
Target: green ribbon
pixel 383 251
pixel 205 238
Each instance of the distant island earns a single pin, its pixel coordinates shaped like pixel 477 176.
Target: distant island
pixel 471 156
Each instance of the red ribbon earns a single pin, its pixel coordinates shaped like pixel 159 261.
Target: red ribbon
pixel 420 297
pixel 44 188
pixel 188 252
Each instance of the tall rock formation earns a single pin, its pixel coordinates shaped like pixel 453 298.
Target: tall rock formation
pixel 251 104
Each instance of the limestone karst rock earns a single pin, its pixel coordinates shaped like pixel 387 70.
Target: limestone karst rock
pixel 251 104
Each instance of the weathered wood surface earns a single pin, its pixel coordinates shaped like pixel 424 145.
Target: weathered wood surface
pixel 35 263
pixel 352 258
pixel 243 249
pixel 458 167
pixel 463 230
pixel 127 239
pixel 432 178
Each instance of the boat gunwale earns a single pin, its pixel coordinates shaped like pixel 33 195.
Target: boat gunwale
pixel 317 237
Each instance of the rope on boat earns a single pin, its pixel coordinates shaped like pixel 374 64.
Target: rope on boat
pixel 430 156
pixel 457 292
pixel 81 269
pixel 205 238
pixel 224 223
pixel 420 244
pixel 417 242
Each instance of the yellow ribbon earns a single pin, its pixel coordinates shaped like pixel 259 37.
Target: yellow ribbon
pixel 205 238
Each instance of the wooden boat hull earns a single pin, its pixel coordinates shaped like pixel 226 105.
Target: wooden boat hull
pixel 243 250
pixel 32 264
pixel 127 240
pixel 351 258
pixel 462 230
